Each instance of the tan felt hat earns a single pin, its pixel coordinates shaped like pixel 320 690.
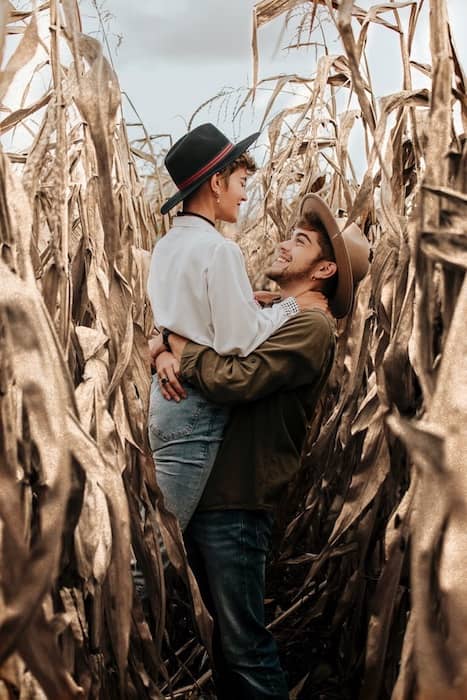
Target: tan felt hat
pixel 351 250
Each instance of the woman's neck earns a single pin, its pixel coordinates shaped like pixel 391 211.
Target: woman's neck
pixel 200 216
pixel 201 207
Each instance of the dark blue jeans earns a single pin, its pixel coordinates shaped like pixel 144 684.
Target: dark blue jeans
pixel 227 550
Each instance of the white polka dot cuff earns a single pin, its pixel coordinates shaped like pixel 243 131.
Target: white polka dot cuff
pixel 289 306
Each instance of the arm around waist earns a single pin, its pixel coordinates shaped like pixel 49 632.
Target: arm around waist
pixel 293 356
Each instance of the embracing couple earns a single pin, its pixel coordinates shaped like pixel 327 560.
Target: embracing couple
pixel 236 386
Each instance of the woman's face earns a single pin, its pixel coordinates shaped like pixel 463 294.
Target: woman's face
pixel 232 194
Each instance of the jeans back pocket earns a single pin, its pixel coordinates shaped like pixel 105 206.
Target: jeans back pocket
pixel 169 420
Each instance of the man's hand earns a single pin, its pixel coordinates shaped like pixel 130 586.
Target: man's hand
pixel 156 347
pixel 177 345
pixel 168 372
pixel 307 301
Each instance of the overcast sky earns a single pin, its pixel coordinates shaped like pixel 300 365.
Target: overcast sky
pixel 176 54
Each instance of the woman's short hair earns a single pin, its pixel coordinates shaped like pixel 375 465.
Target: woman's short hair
pixel 243 161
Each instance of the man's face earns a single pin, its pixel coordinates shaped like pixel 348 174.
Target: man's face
pixel 298 257
pixel 232 195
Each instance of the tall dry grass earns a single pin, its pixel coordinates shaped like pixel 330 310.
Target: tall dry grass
pixel 76 234
pixel 367 590
pixel 379 538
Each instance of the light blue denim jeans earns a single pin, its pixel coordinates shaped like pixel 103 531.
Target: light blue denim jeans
pixel 184 439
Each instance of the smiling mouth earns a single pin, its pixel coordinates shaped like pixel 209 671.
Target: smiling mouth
pixel 280 259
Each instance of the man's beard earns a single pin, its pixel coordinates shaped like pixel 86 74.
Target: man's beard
pixel 285 276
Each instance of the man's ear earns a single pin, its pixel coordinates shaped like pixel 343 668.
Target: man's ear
pixel 325 269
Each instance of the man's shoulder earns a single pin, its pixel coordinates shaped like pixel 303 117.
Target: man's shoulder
pixel 308 332
pixel 313 320
pixel 310 335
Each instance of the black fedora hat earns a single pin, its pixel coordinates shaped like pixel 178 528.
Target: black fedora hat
pixel 198 155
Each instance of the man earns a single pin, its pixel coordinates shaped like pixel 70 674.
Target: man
pixel 273 392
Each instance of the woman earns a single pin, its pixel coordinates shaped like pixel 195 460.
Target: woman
pixel 199 288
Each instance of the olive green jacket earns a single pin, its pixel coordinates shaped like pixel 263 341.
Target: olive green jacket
pixel 273 393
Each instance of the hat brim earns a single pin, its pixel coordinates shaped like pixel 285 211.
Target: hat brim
pixel 341 303
pixel 237 151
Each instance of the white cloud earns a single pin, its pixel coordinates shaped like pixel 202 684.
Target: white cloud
pixel 176 54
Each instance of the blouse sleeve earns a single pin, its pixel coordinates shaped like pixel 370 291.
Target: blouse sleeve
pixel 240 325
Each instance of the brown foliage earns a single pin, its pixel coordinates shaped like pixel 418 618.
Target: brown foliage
pixel 76 235
pixel 373 531
pixel 380 529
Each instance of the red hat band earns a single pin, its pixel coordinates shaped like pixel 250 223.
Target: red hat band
pixel 199 173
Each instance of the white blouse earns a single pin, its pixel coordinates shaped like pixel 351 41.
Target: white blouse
pixel 199 288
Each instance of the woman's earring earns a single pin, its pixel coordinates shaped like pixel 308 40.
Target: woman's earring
pixel 218 199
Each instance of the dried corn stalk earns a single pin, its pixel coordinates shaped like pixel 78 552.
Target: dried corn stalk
pixel 376 520
pixel 76 235
pixel 385 468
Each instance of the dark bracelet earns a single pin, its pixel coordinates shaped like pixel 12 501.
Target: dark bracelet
pixel 165 338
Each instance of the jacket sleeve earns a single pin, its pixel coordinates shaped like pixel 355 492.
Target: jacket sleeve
pixel 293 356
pixel 239 324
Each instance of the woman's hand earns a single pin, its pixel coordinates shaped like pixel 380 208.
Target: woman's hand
pixel 266 298
pixel 307 301
pixel 168 373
